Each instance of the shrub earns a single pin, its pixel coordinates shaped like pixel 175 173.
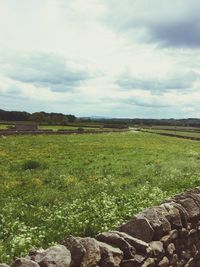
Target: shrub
pixel 31 165
pixel 80 129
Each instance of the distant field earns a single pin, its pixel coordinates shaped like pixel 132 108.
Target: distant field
pixel 174 128
pixel 55 127
pixel 177 132
pixel 53 186
pixel 58 127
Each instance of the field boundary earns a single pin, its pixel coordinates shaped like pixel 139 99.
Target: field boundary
pixel 59 132
pixel 173 135
pixel 189 130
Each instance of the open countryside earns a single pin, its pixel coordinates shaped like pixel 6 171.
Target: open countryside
pixel 99 133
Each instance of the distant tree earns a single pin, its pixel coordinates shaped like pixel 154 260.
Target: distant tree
pixel 14 115
pixel 52 118
pixel 38 117
pixel 71 118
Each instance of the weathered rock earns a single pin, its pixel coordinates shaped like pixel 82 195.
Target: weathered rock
pixel 189 226
pixel 194 250
pixel 22 262
pixel 183 232
pixel 170 249
pixel 164 262
pixel 150 262
pixel 194 196
pixel 77 250
pixel 182 212
pixel 174 260
pixel 129 263
pixel 92 255
pixel 105 254
pixel 173 234
pixel 196 190
pixel 190 263
pixel 139 258
pixel 191 208
pixel 136 262
pixel 138 244
pixel 173 216
pixel 189 242
pixel 36 255
pixel 58 256
pixel 110 256
pixel 139 227
pixel 118 241
pixel 166 239
pixel 192 232
pixel 157 218
pixel 157 248
pixel 187 254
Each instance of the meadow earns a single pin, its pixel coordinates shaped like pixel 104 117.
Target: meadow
pixel 53 186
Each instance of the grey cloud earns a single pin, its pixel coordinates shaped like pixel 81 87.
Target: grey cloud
pixel 12 93
pixel 179 34
pixel 171 24
pixel 148 103
pixel 176 82
pixel 46 70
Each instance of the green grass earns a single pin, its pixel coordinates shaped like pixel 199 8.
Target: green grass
pixel 53 186
pixel 4 126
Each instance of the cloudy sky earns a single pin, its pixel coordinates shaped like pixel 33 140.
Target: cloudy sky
pixel 130 58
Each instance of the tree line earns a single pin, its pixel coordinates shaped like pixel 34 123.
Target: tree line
pixel 39 117
pixel 62 119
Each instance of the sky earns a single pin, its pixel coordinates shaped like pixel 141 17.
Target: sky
pixel 109 58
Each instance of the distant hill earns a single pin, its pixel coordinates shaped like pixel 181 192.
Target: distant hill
pixel 192 122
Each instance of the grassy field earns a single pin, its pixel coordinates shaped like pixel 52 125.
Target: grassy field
pixel 53 186
pixel 64 127
pixel 177 132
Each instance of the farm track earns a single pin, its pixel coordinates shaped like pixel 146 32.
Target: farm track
pixel 174 135
pixel 68 132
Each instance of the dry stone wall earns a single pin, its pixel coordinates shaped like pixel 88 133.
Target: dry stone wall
pixel 174 135
pixel 163 236
pixel 59 132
